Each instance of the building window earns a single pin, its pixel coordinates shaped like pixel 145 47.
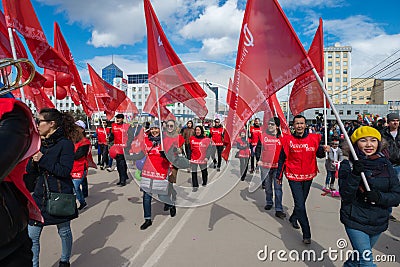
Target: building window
pixel 368 98
pixel 329 71
pixel 361 89
pixel 344 96
pixel 369 89
pixel 365 111
pixel 345 55
pixel 349 112
pixel 354 89
pixel 329 80
pixel 337 88
pixel 353 98
pixel 329 88
pixel 345 79
pixel 345 87
pixel 357 112
pixel 344 63
pixel 337 71
pixel 337 55
pixel 332 112
pixel 337 80
pixel 329 55
pixel 345 71
pixel 361 98
pixel 340 112
pixel 330 64
pixel 337 63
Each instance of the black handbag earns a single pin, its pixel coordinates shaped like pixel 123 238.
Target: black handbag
pixel 59 204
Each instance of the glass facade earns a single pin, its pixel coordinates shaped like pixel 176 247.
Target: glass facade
pixel 110 72
pixel 138 78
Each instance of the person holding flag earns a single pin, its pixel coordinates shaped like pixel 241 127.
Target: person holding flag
pixel 255 143
pixel 298 161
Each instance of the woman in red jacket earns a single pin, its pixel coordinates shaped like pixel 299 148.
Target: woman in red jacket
pixel 244 153
pixel 80 167
pixel 199 144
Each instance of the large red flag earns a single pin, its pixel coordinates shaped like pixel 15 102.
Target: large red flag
pixel 21 16
pixel 166 71
pixel 38 97
pixel 306 92
pixel 112 97
pixel 127 106
pixel 78 96
pixel 99 104
pixel 267 44
pixel 152 103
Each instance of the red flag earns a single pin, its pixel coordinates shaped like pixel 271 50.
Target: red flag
pixel 112 97
pixel 97 106
pixel 78 96
pixel 306 92
pixel 231 100
pixel 38 97
pixel 267 44
pixel 127 106
pixel 166 70
pixel 21 16
pixel 151 105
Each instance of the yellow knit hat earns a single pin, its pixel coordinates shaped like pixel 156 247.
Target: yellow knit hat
pixel 364 131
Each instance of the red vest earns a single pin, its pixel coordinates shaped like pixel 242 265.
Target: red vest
pixel 155 167
pixel 271 149
pixel 169 141
pixel 255 135
pixel 80 165
pixel 243 153
pixel 16 175
pixel 216 135
pixel 120 132
pixel 199 147
pixel 301 163
pixel 102 134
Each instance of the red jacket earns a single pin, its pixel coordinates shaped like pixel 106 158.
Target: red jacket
pixel 243 153
pixel 16 175
pixel 271 149
pixel 80 165
pixel 255 135
pixel 199 147
pixel 120 132
pixel 301 162
pixel 155 167
pixel 217 135
pixel 102 134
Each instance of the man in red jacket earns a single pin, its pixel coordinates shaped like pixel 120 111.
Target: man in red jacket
pixel 103 133
pixel 217 136
pixel 255 143
pixel 298 161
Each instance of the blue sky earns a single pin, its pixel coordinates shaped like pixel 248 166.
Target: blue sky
pixel 208 30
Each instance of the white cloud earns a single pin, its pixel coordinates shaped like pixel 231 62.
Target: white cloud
pixel 294 4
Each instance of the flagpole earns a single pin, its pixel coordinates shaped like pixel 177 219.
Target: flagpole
pixel 287 115
pixel 55 90
pixel 346 136
pixel 14 53
pixel 325 123
pixel 159 118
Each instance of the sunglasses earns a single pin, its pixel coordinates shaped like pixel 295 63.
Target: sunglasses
pixel 170 126
pixel 38 121
pixel 271 123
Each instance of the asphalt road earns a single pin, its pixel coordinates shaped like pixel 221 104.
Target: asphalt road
pixel 229 227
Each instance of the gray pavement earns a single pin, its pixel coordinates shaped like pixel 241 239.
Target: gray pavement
pixel 228 232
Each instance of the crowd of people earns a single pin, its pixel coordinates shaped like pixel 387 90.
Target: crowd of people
pixel 56 154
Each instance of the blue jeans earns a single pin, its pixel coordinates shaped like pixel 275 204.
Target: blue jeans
pixel 330 177
pixel 300 192
pixel 267 176
pixel 147 203
pixel 64 231
pixel 397 170
pixel 363 243
pixel 78 191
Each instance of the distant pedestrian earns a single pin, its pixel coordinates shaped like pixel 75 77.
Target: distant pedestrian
pixel 335 156
pixel 199 145
pixel 243 154
pixel 255 144
pixel 217 136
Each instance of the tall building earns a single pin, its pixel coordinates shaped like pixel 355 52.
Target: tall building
pixel 386 91
pixel 110 72
pixel 338 73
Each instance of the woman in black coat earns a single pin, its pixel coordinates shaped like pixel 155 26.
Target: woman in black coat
pixel 365 214
pixel 54 161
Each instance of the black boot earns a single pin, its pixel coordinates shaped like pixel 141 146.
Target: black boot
pixel 63 264
pixel 146 224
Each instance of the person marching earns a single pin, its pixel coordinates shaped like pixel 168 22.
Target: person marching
pixel 20 139
pixel 102 139
pixel 154 175
pixel 298 155
pixel 243 154
pixel 54 163
pixel 365 214
pixel 199 144
pixel 119 134
pixel 335 156
pixel 188 132
pixel 255 143
pixel 80 167
pixel 270 150
pixel 217 136
pixel 173 143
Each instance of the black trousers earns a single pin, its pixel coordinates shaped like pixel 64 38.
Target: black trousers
pixel 219 156
pixel 244 164
pixel 103 155
pixel 122 168
pixel 204 174
pixel 22 256
pixel 255 152
pixel 188 151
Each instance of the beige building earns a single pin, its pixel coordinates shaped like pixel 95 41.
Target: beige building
pixel 386 92
pixel 361 89
pixel 337 73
